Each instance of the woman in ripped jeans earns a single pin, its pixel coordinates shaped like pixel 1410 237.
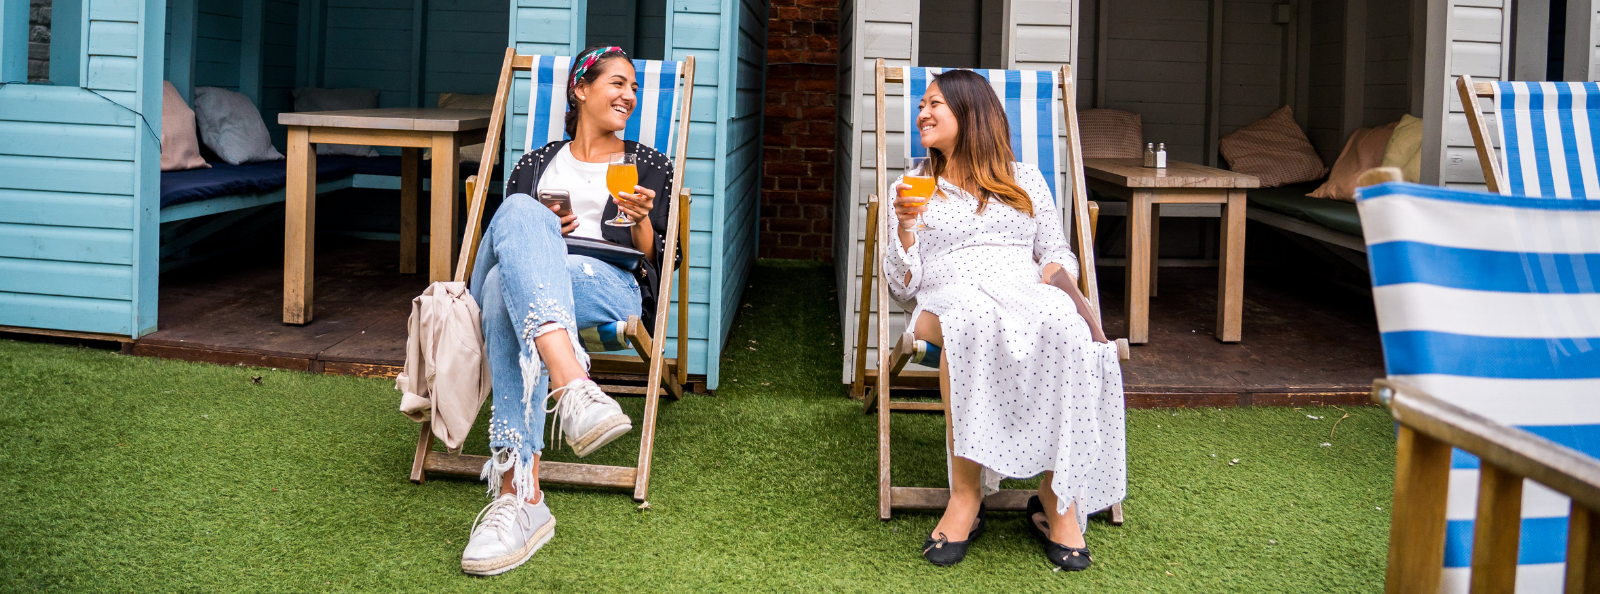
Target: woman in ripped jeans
pixel 536 297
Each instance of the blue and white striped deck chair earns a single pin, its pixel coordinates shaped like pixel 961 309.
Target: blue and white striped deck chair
pixel 1492 303
pixel 1548 133
pixel 1037 104
pixel 663 102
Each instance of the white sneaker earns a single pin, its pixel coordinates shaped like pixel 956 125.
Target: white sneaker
pixel 587 416
pixel 507 533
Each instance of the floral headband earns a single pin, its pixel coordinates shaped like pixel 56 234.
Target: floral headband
pixel 587 60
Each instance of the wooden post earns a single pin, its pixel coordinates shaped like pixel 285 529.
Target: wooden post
pixel 442 200
pixel 299 228
pixel 1230 277
pixel 869 256
pixel 1417 525
pixel 1583 550
pixel 410 186
pixel 1137 276
pixel 1496 531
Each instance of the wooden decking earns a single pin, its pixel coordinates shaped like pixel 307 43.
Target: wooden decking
pixel 1303 344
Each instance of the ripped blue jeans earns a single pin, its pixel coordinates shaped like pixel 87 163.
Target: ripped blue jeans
pixel 527 285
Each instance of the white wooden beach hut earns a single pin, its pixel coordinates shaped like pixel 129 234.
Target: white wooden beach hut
pixel 1196 70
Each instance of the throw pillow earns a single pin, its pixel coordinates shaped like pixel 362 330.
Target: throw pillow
pixel 1405 149
pixel 231 127
pixel 180 147
pixel 1110 133
pixel 1273 149
pixel 470 153
pixel 1363 151
pixel 314 99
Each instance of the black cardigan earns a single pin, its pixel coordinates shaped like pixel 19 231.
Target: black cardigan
pixel 655 172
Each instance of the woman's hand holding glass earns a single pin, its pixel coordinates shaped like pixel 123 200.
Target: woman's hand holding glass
pixel 636 205
pixel 908 208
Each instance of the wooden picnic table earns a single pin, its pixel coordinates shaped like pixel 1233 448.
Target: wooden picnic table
pixel 412 129
pixel 1146 189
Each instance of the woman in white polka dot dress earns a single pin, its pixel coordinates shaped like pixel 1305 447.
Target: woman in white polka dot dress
pixel 1030 389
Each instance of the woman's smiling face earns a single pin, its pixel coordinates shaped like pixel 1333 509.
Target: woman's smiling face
pixel 609 100
pixel 936 122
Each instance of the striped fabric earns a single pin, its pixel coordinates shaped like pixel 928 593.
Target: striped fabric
pixel 1032 99
pixel 1493 303
pixel 1548 132
pixel 1111 134
pixel 605 337
pixel 652 121
pixel 925 354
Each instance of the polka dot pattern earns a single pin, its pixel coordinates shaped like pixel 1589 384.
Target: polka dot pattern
pixel 1030 390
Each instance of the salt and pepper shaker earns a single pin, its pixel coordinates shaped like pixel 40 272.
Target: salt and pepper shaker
pixel 1150 154
pixel 1161 156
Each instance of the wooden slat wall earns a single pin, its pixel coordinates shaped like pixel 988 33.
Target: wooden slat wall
pixel 1388 61
pixel 612 22
pixel 78 184
pixel 1325 117
pixel 741 200
pixel 1469 37
pixel 1156 52
pixel 368 45
pixel 845 208
pixel 951 33
pixel 879 29
pixel 651 30
pixel 216 50
pixel 280 32
pixel 466 40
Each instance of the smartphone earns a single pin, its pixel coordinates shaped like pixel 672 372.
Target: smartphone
pixel 557 197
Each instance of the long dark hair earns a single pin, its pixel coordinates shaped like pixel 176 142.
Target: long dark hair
pixel 983 141
pixel 588 76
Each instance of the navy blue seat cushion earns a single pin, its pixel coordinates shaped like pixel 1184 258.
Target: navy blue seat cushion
pixel 222 179
pixel 390 165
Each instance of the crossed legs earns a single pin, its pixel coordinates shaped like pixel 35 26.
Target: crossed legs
pixel 966 476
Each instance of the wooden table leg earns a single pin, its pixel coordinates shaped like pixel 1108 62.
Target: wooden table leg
pixel 442 229
pixel 1155 247
pixel 299 227
pixel 410 185
pixel 1230 276
pixel 1138 270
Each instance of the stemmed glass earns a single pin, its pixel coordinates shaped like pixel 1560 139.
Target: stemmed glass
pixel 622 174
pixel 919 175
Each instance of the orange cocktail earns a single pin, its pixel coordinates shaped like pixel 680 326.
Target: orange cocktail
pixel 919 175
pixel 622 174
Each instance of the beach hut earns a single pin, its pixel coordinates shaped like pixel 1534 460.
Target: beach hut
pixel 1196 70
pixel 81 217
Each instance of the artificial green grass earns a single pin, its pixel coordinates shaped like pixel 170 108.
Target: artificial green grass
pixel 130 474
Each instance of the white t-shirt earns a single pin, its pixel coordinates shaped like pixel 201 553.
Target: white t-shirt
pixel 586 182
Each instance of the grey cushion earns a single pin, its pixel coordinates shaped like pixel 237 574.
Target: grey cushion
pixel 314 99
pixel 231 127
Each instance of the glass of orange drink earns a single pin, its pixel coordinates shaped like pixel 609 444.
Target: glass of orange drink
pixel 919 175
pixel 622 174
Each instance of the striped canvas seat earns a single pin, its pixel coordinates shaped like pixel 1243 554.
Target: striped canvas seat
pixel 1492 303
pixel 651 125
pixel 1548 132
pixel 1032 99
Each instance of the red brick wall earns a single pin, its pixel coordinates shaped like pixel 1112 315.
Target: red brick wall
pixel 797 180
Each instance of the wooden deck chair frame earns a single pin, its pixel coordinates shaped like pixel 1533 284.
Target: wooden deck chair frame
pixel 659 372
pixel 1084 220
pixel 1471 92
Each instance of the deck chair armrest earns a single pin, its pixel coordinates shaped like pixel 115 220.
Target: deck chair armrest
pixel 902 353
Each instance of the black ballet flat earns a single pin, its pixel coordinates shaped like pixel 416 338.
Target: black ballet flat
pixel 1063 556
pixel 944 553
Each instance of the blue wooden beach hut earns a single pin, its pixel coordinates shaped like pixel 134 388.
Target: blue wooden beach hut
pixel 80 214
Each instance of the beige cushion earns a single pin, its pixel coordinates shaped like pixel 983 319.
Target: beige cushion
pixel 315 99
pixel 1405 149
pixel 180 146
pixel 1273 149
pixel 470 153
pixel 1363 151
pixel 1110 133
